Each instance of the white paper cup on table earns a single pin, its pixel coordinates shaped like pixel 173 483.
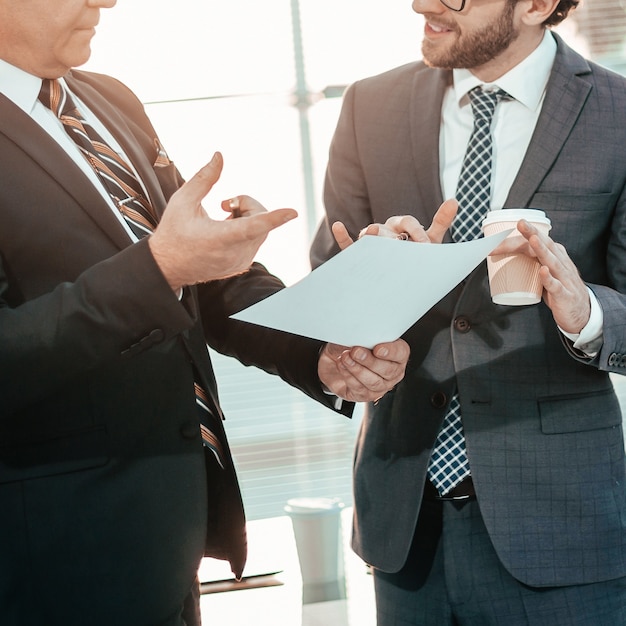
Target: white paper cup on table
pixel 514 278
pixel 317 529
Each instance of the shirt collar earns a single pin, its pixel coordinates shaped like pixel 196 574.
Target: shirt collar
pixel 19 86
pixel 526 82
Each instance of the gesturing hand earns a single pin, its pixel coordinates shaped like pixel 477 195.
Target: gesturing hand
pixel 405 227
pixel 190 247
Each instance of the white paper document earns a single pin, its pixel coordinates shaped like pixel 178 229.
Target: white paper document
pixel 371 292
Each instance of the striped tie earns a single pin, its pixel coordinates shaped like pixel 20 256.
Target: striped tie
pixel 127 193
pixel 209 438
pixel 115 174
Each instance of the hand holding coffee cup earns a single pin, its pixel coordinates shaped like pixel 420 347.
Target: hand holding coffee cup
pixel 514 278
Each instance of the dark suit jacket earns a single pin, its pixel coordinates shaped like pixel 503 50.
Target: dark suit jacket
pixel 106 503
pixel 542 424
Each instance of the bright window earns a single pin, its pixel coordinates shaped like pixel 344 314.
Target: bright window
pixel 226 76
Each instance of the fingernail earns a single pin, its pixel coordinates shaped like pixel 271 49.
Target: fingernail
pixel 346 360
pixel 360 355
pixel 383 352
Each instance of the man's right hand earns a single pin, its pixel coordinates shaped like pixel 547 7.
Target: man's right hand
pixel 405 227
pixel 190 247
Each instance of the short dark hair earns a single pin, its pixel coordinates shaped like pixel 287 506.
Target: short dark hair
pixel 561 12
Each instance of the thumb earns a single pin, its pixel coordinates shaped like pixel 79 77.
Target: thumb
pixel 199 185
pixel 341 235
pixel 442 220
pixel 334 351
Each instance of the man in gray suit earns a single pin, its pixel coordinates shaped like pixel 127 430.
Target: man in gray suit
pixel 534 532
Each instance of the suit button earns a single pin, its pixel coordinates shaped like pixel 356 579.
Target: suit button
pixel 439 399
pixel 156 335
pixel 613 359
pixel 462 324
pixel 190 430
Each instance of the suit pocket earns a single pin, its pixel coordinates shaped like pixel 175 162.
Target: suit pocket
pixel 169 179
pixel 569 202
pixel 70 452
pixel 579 412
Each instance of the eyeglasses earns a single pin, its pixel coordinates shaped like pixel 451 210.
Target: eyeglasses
pixel 453 5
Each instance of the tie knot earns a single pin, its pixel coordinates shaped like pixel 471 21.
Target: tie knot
pixel 484 102
pixel 55 97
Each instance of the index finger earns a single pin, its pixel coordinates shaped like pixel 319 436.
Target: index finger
pixel 538 242
pixel 261 224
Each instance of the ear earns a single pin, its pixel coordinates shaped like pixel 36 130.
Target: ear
pixel 536 12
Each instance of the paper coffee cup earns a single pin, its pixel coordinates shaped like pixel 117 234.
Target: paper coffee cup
pixel 514 278
pixel 317 529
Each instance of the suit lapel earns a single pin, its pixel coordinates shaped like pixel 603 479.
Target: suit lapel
pixel 425 129
pixel 46 154
pixel 565 97
pixel 118 127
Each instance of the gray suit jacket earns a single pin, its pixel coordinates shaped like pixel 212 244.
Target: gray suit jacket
pixel 542 423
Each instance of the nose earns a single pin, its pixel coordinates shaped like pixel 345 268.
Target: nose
pixel 428 6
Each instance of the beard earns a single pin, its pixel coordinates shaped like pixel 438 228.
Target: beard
pixel 475 48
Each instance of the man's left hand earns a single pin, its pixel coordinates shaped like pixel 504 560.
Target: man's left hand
pixel 564 290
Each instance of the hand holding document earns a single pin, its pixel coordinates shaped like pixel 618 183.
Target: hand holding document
pixel 371 292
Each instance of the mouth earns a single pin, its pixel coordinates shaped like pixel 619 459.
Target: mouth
pixel 88 24
pixel 433 29
pixel 86 30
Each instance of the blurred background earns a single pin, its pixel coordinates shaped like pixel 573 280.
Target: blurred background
pixel 262 83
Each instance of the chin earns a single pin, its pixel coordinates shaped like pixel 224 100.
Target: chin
pixel 438 61
pixel 431 53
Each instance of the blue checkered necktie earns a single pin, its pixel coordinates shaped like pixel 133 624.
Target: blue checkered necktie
pixel 474 188
pixel 448 464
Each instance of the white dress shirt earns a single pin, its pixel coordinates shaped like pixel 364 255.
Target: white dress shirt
pixel 23 90
pixel 513 124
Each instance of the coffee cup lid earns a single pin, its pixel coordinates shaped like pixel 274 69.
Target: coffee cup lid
pixel 514 215
pixel 313 506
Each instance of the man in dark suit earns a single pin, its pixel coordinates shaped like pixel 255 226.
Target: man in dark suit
pixel 110 489
pixel 534 532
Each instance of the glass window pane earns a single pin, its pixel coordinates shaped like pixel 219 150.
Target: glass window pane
pixel 183 60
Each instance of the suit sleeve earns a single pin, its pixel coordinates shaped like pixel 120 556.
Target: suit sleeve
pixel 612 297
pixel 292 357
pixel 113 310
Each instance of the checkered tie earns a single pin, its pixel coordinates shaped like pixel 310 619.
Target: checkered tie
pixel 474 188
pixel 448 464
pixel 128 195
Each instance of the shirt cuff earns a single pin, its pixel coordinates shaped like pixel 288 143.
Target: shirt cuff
pixel 336 400
pixel 591 337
